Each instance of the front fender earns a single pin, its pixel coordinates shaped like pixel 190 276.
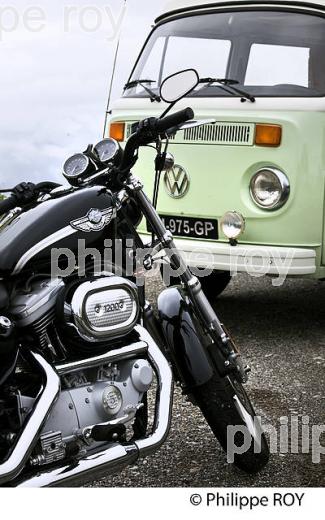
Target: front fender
pixel 186 343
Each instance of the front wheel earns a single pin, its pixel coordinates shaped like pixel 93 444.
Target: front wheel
pixel 231 417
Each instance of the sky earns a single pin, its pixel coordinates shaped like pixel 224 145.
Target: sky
pixel 56 61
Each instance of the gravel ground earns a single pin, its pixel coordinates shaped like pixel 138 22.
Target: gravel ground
pixel 281 333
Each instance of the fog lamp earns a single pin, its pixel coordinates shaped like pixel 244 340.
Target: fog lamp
pixel 232 225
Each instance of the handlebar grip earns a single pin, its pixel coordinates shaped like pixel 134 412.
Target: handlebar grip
pixel 8 204
pixel 175 119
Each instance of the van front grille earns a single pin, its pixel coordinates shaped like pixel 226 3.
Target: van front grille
pixel 235 134
pixel 218 133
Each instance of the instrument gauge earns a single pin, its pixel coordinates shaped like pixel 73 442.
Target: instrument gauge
pixel 107 150
pixel 76 167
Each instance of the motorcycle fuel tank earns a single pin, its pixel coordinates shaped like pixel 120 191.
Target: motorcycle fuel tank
pixel 32 235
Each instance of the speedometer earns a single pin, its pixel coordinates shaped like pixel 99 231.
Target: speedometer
pixel 76 166
pixel 107 150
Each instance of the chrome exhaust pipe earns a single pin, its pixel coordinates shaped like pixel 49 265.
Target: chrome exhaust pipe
pixel 15 463
pixel 164 405
pixel 117 456
pixel 112 460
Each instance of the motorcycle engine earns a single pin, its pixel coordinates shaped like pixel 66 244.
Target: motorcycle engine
pixel 81 317
pixel 93 314
pixel 107 398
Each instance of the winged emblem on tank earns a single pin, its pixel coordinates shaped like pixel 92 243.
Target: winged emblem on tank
pixel 95 220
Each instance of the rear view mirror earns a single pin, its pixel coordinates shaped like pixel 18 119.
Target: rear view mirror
pixel 179 85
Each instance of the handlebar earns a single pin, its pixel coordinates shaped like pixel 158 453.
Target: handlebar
pixel 148 131
pixel 21 198
pixel 178 118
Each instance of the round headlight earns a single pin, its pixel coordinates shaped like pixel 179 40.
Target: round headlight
pixel 270 188
pixel 232 225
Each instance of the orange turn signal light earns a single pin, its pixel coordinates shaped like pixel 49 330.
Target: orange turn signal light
pixel 268 135
pixel 117 131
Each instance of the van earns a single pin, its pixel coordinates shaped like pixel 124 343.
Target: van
pixel 246 192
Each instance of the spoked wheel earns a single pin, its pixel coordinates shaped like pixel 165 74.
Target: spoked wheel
pixel 231 416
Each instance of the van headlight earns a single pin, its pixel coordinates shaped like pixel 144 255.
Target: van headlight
pixel 270 188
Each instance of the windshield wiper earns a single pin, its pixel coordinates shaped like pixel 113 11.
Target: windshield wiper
pixel 227 85
pixel 141 82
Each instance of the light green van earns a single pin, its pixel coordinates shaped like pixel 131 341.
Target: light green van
pixel 247 190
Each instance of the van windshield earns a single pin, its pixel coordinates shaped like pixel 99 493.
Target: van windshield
pixel 270 53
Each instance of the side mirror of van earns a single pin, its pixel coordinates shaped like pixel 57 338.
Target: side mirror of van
pixel 179 85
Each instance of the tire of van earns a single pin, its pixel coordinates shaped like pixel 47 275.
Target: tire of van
pixel 214 284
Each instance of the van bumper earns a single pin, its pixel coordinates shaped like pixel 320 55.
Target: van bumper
pixel 256 260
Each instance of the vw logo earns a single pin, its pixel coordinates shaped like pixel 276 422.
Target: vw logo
pixel 177 182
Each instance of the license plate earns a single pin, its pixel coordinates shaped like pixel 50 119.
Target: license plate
pixel 191 227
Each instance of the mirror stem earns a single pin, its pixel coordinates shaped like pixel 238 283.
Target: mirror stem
pixel 168 109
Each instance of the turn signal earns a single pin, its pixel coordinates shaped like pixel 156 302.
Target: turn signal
pixel 268 135
pixel 117 131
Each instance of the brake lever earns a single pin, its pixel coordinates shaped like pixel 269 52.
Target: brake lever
pixel 190 124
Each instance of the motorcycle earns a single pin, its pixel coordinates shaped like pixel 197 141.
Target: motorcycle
pixel 87 367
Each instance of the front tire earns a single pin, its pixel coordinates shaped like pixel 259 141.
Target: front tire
pixel 224 403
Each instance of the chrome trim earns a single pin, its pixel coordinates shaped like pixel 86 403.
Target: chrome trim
pixel 134 183
pixel 12 467
pixel 164 404
pixel 92 178
pixel 43 244
pixel 80 320
pixel 116 456
pixel 136 349
pixel 23 309
pixel 5 323
pixel 196 123
pixel 8 218
pixel 177 182
pixel 167 239
pixel 86 225
pixel 285 186
pixel 193 282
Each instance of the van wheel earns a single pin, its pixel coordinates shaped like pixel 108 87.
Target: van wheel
pixel 214 284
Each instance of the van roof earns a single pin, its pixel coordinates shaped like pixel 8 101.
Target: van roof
pixel 173 6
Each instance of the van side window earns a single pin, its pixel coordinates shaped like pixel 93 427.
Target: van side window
pixel 278 65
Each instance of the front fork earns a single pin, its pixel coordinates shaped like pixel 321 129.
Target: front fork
pixel 231 359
